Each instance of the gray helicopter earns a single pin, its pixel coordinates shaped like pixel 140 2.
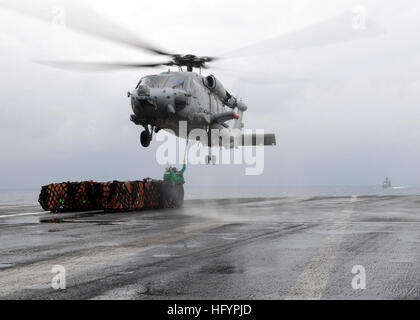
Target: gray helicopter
pixel 162 101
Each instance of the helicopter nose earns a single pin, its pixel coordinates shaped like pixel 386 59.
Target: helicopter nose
pixel 167 100
pixel 139 98
pixel 143 90
pixel 161 100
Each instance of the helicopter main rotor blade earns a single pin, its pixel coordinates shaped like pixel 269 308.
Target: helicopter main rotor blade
pixel 258 77
pixel 82 19
pixel 342 28
pixel 99 66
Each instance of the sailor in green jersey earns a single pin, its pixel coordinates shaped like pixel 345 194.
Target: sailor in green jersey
pixel 180 173
pixel 172 176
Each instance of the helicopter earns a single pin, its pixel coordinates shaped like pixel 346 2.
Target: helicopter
pixel 162 101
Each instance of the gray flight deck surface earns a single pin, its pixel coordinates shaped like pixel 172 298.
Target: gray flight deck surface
pixel 260 248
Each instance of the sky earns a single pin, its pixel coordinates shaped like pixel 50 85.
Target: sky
pixel 344 114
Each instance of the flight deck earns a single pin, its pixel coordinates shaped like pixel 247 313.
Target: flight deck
pixel 254 248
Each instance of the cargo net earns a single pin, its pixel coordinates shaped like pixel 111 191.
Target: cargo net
pixel 110 196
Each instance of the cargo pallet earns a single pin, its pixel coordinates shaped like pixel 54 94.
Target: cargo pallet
pixel 110 196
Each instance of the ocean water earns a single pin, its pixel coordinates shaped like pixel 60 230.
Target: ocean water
pixel 18 197
pixel 247 192
pixel 30 197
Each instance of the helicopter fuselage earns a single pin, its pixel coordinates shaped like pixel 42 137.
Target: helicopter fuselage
pixel 163 100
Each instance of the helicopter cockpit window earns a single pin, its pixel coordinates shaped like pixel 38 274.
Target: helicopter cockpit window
pixel 175 82
pixel 154 81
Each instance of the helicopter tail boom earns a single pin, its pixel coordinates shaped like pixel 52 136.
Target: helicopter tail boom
pixel 255 139
pixel 233 139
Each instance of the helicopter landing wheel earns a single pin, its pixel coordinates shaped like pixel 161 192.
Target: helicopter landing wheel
pixel 145 138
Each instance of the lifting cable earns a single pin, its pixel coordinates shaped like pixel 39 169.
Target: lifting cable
pixel 185 153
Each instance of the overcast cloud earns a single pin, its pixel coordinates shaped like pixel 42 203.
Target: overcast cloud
pixel 344 114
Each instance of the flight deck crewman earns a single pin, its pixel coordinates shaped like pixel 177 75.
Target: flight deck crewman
pixel 172 176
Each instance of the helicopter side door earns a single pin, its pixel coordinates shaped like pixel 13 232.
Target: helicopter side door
pixel 200 96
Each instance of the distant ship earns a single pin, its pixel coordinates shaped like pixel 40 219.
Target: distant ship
pixel 387 183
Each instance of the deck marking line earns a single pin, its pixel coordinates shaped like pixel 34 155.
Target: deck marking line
pixel 21 214
pixel 312 282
